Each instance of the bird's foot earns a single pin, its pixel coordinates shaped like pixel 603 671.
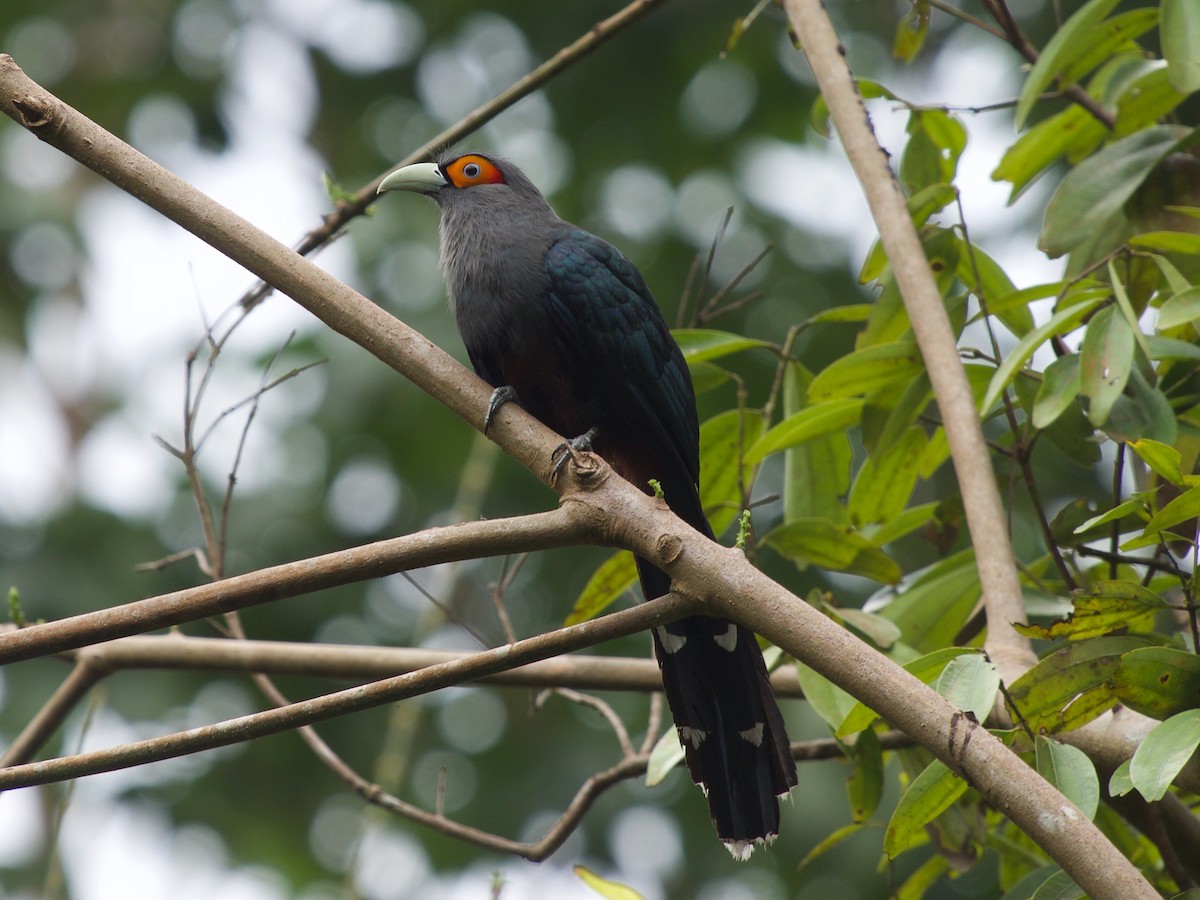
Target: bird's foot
pixel 501 395
pixel 570 449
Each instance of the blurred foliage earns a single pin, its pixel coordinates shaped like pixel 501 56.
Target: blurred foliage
pixel 819 414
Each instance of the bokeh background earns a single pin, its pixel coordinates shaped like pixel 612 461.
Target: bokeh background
pixel 648 142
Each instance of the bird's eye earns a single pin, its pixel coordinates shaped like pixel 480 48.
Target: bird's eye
pixel 471 170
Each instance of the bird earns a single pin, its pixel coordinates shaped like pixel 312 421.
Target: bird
pixel 561 322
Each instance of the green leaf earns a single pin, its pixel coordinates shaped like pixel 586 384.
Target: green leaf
pixel 831 546
pixel 911 32
pixel 1058 886
pixel 1105 360
pixel 1059 390
pixel 666 755
pixel 1068 44
pixel 1069 769
pixel 1181 309
pixel 1067 688
pixel 988 281
pixel 1110 607
pixel 1164 752
pixel 818 116
pixel 1046 143
pixel 929 873
pixel 880 631
pixel 927 668
pixel 930 794
pixel 864 787
pixel 1171 348
pixel 1120 784
pixel 1180 31
pixel 706 377
pixel 970 682
pixel 702 344
pixel 935 142
pixel 828 700
pixel 610 890
pixel 935 606
pixel 886 481
pixel 1185 506
pixel 1146 100
pixel 816 473
pixel 833 840
pixel 1131 506
pixel 615 576
pixel 929 200
pixel 1182 242
pixel 1100 43
pixel 1163 459
pixel 1143 411
pixel 904 524
pixel 721 439
pixel 1061 322
pixel 1158 681
pixel 867 370
pixel 835 415
pixel 851 312
pixel 1098 187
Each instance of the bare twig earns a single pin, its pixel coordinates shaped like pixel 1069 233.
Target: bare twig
pixel 74 688
pixel 1017 40
pixel 605 710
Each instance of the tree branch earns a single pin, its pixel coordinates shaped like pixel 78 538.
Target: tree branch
pixel 390 690
pixel 616 512
pixel 540 531
pixel 338 306
pixel 931 326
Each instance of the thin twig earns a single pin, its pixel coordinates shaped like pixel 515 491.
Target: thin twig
pixel 605 710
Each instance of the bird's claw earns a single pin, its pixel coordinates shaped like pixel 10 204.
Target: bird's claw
pixel 501 395
pixel 570 449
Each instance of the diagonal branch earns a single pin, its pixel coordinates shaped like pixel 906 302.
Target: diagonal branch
pixel 608 509
pixel 338 306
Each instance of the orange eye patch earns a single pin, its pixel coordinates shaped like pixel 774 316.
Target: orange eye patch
pixel 471 170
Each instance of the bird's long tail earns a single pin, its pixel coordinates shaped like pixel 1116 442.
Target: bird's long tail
pixel 729 723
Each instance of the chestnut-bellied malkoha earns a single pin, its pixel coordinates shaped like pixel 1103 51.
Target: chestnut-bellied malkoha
pixel 563 321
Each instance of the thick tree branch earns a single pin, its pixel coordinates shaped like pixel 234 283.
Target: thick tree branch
pixel 554 528
pixel 619 513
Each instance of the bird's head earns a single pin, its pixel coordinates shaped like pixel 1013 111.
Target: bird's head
pixel 466 179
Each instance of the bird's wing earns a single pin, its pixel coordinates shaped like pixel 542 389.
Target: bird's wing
pixel 607 318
